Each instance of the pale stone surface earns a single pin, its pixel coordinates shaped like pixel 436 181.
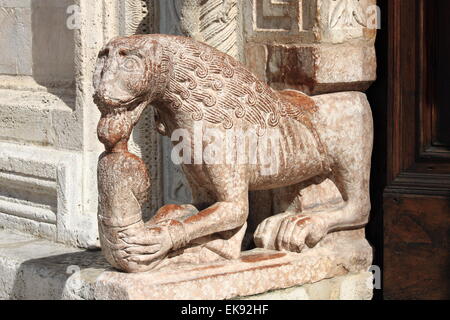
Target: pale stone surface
pixel 38 118
pixel 31 44
pixel 32 268
pixel 357 287
pixel 314 69
pixel 349 287
pixel 24 270
pixel 38 194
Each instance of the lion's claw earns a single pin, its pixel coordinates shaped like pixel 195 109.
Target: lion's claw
pixel 290 232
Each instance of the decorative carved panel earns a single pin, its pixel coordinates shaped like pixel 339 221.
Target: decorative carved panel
pixel 343 20
pixel 346 14
pixel 138 16
pixel 276 15
pixel 218 25
pixel 215 22
pixel 272 19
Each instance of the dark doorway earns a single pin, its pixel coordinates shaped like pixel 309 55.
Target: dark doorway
pixel 411 164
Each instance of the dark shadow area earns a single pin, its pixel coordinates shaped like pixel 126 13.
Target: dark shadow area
pixel 377 95
pixel 29 282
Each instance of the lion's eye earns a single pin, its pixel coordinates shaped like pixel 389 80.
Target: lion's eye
pixel 130 64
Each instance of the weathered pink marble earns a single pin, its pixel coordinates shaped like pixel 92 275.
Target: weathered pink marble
pixel 192 85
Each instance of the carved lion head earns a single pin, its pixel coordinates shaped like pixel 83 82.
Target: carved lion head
pixel 127 73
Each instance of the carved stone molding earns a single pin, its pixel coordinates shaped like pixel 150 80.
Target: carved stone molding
pixel 275 20
pixel 215 22
pixel 344 20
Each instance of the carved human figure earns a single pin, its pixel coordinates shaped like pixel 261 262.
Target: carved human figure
pixel 191 87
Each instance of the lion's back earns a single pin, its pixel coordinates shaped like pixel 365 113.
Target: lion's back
pixel 215 87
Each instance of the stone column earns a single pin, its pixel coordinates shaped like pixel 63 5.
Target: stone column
pixel 316 46
pixel 46 153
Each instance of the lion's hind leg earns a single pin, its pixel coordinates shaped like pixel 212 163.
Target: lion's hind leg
pixel 350 152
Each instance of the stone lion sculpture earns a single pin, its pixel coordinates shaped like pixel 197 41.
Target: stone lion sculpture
pixel 192 85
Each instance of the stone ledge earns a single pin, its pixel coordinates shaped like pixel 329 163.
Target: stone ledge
pixel 32 268
pixel 39 194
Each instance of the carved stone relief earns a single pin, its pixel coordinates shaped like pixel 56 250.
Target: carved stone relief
pixel 215 22
pixel 138 16
pixel 281 21
pixel 195 87
pixel 344 20
pixel 347 14
pixel 218 25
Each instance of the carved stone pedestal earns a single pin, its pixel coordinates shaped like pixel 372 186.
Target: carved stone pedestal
pixel 256 272
pixel 32 268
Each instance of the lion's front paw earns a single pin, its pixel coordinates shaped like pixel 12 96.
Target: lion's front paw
pixel 146 246
pixel 297 231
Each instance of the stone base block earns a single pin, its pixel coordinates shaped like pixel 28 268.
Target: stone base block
pixel 32 268
pixel 314 69
pixel 358 286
